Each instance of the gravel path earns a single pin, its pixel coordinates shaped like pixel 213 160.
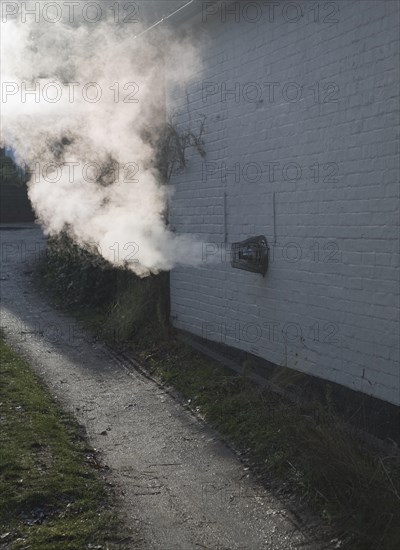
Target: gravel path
pixel 178 485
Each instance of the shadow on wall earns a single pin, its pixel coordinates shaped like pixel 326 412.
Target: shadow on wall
pixel 14 202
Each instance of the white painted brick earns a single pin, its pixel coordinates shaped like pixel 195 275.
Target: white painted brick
pixel 358 295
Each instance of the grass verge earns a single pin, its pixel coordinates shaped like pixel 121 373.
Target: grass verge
pixel 353 487
pixel 51 492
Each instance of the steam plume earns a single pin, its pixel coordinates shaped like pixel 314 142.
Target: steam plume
pixel 82 134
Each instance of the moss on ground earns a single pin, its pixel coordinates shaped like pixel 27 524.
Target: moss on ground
pixel 51 494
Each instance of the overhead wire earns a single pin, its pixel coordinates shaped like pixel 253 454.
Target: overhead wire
pixel 164 19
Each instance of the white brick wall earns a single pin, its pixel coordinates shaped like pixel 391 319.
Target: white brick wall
pixel 333 312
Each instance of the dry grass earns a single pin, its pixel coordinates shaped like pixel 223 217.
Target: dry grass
pixel 351 486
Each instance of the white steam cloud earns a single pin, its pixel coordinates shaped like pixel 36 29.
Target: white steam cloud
pixel 96 89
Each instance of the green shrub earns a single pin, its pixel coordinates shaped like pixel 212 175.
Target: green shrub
pixel 127 305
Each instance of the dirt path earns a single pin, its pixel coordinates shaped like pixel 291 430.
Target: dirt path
pixel 179 485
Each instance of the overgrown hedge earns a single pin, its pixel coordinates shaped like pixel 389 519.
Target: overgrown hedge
pixel 14 203
pixel 126 305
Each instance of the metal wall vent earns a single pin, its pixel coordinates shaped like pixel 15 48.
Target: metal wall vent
pixel 251 255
